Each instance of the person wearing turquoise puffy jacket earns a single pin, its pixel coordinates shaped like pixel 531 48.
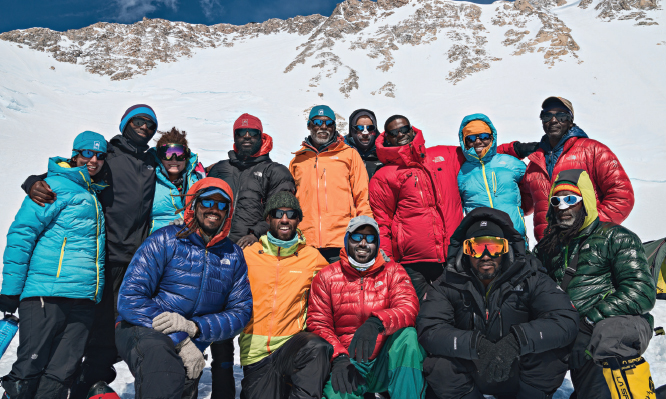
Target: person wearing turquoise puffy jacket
pixel 489 179
pixel 54 273
pixel 177 170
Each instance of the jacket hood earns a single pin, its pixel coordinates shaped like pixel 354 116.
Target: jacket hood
pixel 575 131
pixel 266 145
pixel 58 166
pixel 359 113
pixel 470 154
pixel 371 153
pixel 203 184
pixel 582 180
pixel 349 139
pixel 336 144
pixel 412 154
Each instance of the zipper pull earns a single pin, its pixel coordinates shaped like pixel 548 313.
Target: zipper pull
pixel 315 165
pixel 361 283
pixel 486 314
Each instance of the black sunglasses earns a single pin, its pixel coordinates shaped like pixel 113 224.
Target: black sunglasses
pixel 560 116
pixel 403 130
pixel 278 213
pixel 138 122
pixel 251 132
pixel 483 137
pixel 89 154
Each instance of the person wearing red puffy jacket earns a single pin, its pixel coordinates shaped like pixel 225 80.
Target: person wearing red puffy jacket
pixel 365 306
pixel 566 146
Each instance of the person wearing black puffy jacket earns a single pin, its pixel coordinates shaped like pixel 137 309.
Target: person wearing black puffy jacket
pixel 185 288
pixel 494 323
pixel 362 135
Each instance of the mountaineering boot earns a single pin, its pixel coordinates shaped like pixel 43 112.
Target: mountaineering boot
pixel 661 392
pixel 629 378
pixel 22 389
pixel 102 391
pixel 88 377
pixel 51 389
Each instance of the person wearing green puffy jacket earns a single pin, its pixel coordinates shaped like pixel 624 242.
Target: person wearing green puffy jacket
pixel 603 268
pixel 54 273
pixel 176 171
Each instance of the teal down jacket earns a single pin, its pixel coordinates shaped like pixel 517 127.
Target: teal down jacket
pixel 167 197
pixel 491 181
pixel 58 250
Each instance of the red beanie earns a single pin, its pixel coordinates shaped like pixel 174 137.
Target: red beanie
pixel 247 121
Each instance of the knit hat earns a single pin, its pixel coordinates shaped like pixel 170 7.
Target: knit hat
pixel 247 121
pixel 484 228
pixel 565 185
pixel 321 110
pixel 283 199
pixel 89 141
pixel 557 102
pixel 137 110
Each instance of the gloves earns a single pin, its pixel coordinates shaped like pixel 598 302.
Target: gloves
pixel 9 303
pixel 193 359
pixel 177 222
pixel 345 378
pixel 495 360
pixel 365 338
pixel 169 322
pixel 524 150
pixel 578 353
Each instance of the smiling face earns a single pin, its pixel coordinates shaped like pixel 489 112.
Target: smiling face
pixel 479 145
pixel 363 138
pixel 567 217
pixel 363 252
pixel 210 219
pixel 555 129
pixel 282 228
pixel 402 138
pixel 321 135
pixel 93 164
pixel 173 167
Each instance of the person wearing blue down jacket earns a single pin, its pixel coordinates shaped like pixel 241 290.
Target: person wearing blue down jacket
pixel 489 179
pixel 54 273
pixel 185 288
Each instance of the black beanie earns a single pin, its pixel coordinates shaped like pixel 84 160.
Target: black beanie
pixel 283 199
pixel 484 228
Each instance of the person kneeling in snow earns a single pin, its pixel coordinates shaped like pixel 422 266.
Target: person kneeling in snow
pixel 494 323
pixel 185 288
pixel 365 306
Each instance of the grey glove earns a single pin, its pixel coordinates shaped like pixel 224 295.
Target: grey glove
pixel 169 322
pixel 177 222
pixel 193 359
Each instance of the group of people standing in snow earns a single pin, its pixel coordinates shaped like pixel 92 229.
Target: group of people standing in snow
pixel 372 264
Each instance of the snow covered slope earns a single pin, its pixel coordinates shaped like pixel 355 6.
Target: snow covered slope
pixel 434 61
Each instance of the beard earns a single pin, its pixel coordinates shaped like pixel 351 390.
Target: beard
pixel 247 153
pixel 320 141
pixel 560 232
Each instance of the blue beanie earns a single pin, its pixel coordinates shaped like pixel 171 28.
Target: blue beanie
pixel 321 110
pixel 89 141
pixel 135 110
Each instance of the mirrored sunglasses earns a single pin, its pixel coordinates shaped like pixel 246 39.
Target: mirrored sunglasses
pixel 321 122
pixel 483 137
pixel 89 154
pixel 209 203
pixel 171 152
pixel 358 237
pixel 369 128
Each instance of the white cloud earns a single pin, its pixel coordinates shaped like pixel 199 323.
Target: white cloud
pixel 211 8
pixel 135 10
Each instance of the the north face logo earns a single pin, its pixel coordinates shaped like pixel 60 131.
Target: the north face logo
pixel 96 145
pixel 258 174
pixel 483 224
pixel 244 122
pixel 225 261
pixel 438 159
pixel 379 284
pixel 321 112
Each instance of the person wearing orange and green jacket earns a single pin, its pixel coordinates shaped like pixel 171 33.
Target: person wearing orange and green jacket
pixel 279 358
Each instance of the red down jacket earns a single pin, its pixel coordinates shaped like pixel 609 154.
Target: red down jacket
pixel 612 187
pixel 342 298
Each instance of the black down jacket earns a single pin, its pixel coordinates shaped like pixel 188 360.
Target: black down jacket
pixel 522 300
pixel 252 182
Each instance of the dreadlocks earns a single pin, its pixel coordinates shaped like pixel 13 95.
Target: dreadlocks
pixel 556 236
pixel 193 226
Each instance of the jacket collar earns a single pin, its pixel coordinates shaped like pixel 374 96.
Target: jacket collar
pixel 127 145
pixel 58 166
pixel 575 131
pixel 380 260
pixel 371 154
pixel 413 154
pixel 248 163
pixel 336 144
pixel 274 250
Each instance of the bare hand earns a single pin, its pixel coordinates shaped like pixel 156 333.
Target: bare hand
pixel 41 193
pixel 247 241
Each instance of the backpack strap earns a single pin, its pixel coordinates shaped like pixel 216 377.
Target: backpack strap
pixel 572 266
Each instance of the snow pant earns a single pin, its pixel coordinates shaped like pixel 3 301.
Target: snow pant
pixel 222 370
pixel 331 255
pixel 52 337
pixel 534 376
pixel 157 368
pixel 397 368
pixel 296 370
pixel 100 353
pixel 423 274
pixel 617 338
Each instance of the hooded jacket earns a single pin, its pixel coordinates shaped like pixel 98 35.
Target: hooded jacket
pixel 253 182
pixel 332 188
pixel 522 300
pixel 280 280
pixel 492 180
pixel 613 191
pixel 612 276
pixel 58 250
pixel 167 196
pixel 369 157
pixel 205 283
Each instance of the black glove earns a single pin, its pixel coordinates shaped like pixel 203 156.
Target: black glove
pixel 578 353
pixel 9 303
pixel 524 150
pixel 365 339
pixel 495 360
pixel 344 376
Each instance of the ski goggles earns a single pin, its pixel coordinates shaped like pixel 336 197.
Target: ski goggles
pixel 482 136
pixel 90 153
pixel 403 130
pixel 560 116
pixel 321 122
pixel 251 132
pixel 368 128
pixel 358 237
pixel 279 213
pixel 477 246
pixel 171 152
pixel 138 122
pixel 209 203
pixel 565 201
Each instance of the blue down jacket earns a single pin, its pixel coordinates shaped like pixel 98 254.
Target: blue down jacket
pixel 58 250
pixel 491 181
pixel 167 197
pixel 205 283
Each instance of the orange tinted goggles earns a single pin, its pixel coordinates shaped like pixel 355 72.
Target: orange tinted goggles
pixel 475 247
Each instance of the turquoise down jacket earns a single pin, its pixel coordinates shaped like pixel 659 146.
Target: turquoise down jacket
pixel 58 250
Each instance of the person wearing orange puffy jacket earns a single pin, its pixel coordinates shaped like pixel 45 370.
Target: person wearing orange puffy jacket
pixel 331 183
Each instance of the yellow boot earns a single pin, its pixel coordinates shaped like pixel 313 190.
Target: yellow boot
pixel 628 378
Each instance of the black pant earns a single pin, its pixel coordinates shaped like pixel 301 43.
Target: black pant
pixel 100 353
pixel 534 376
pixel 157 369
pixel 52 336
pixel 298 369
pixel 331 255
pixel 423 274
pixel 589 382
pixel 222 370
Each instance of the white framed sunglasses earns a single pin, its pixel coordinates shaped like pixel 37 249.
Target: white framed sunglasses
pixel 565 201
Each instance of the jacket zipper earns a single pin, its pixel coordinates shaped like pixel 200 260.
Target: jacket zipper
pixel 62 254
pixel 416 184
pixel 97 245
pixel 325 190
pixel 270 328
pixel 203 276
pixel 494 184
pixel 318 210
pixel 485 181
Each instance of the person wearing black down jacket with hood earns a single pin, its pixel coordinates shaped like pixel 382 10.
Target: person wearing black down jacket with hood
pixel 494 323
pixel 362 135
pixel 185 288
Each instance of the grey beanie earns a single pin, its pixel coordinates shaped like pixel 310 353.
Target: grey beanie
pixel 283 199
